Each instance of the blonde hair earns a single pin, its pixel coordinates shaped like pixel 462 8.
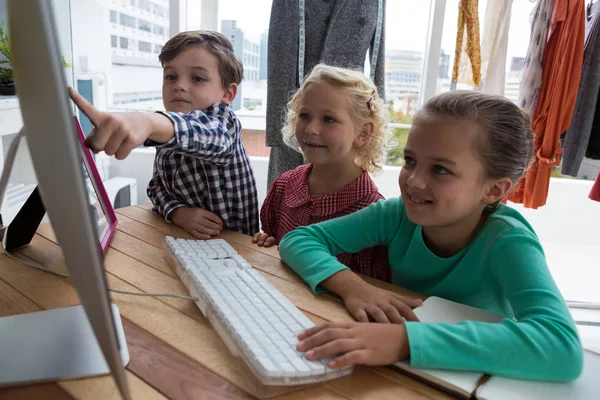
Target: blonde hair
pixel 365 105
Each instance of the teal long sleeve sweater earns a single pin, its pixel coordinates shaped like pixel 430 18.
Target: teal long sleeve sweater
pixel 502 270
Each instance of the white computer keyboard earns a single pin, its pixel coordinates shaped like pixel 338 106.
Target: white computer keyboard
pixel 256 322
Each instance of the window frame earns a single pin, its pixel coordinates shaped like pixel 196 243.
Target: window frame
pixel 433 46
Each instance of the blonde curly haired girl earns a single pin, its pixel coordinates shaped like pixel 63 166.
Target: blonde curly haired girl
pixel 366 108
pixel 339 123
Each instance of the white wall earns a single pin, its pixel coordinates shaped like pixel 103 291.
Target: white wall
pixel 138 166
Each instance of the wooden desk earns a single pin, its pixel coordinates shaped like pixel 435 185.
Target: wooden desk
pixel 174 351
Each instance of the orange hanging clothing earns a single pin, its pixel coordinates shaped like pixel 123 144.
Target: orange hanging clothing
pixel 467 62
pixel 561 72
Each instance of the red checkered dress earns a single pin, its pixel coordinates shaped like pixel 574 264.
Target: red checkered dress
pixel 289 205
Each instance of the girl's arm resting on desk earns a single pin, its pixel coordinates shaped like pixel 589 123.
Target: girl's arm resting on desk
pixel 209 135
pixel 311 250
pixel 541 343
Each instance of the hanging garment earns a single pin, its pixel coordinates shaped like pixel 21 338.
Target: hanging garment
pixel 467 60
pixel 590 12
pixel 337 32
pixel 578 135
pixel 593 147
pixel 531 80
pixel 494 44
pixel 562 61
pixel 595 192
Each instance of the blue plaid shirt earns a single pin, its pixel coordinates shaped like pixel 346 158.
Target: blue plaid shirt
pixel 205 165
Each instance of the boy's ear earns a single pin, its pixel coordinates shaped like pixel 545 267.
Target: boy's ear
pixel 229 93
pixel 365 134
pixel 497 190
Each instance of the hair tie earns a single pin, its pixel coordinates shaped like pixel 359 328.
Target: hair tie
pixel 370 102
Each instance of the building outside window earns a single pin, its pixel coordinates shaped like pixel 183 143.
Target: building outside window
pixel 145 47
pixel 145 5
pixel 127 20
pixel 144 25
pixel 160 30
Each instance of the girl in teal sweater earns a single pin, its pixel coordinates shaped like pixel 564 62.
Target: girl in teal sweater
pixel 448 235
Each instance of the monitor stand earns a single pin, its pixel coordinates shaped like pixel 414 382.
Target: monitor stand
pixel 53 345
pixel 24 225
pixel 46 345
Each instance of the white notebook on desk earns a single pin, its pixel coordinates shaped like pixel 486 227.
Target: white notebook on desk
pixel 463 384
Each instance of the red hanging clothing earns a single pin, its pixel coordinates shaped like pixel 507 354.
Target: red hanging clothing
pixel 595 192
pixel 561 72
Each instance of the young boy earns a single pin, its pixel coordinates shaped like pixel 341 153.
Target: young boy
pixel 202 177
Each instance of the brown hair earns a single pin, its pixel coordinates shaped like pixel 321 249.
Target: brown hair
pixel 507 146
pixel 230 67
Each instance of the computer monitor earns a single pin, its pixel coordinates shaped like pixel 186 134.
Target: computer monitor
pixel 53 143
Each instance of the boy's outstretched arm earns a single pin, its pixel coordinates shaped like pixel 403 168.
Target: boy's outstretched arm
pixel 119 133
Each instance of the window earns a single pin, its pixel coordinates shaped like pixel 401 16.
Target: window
pixel 135 77
pixel 160 30
pixel 160 11
pixel 144 25
pixel 127 20
pixel 245 24
pixel 145 5
pixel 518 41
pixel 127 43
pixel 133 69
pixel 145 47
pixel 405 45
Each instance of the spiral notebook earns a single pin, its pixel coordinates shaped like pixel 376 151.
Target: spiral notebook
pixel 475 385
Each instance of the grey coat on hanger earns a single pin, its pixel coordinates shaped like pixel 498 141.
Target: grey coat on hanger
pixel 339 33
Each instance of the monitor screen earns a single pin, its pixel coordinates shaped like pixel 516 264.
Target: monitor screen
pixel 96 207
pixel 104 216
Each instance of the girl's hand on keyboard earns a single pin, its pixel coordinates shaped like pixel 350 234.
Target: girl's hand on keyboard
pixel 367 302
pixel 353 343
pixel 202 224
pixel 263 239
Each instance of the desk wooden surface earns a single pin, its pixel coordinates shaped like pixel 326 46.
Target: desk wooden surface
pixel 174 351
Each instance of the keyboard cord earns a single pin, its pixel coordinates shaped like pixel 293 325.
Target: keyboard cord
pixel 49 270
